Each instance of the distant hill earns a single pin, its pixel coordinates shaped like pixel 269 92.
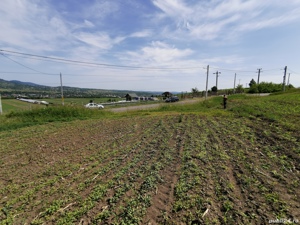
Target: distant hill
pixel 15 87
pixel 24 83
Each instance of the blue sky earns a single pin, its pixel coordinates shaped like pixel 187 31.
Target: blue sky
pixel 151 45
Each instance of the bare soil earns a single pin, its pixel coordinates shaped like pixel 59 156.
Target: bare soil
pixel 172 169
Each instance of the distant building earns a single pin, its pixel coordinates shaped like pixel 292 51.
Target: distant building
pixel 166 94
pixel 131 96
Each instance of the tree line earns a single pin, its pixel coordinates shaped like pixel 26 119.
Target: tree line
pixel 263 87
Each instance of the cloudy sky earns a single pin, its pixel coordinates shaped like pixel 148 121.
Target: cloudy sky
pixel 151 45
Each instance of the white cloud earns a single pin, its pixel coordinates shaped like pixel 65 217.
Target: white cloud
pixel 212 29
pixel 270 22
pixel 88 23
pixel 57 26
pixel 230 7
pixel 159 53
pixel 141 34
pixel 100 9
pixel 100 40
pixel 208 20
pixel 173 8
pixel 29 26
pixel 228 59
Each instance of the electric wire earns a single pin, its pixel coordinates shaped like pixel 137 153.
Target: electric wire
pixel 100 64
pixel 294 72
pixel 242 71
pixel 112 66
pixel 25 66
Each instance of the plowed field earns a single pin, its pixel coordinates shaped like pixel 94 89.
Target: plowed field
pixel 164 169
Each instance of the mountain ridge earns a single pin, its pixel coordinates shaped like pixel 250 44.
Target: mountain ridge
pixel 14 87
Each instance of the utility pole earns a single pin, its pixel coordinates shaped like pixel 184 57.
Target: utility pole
pixel 234 83
pixel 206 81
pixel 284 76
pixel 217 75
pixel 288 83
pixel 0 106
pixel 259 70
pixel 62 91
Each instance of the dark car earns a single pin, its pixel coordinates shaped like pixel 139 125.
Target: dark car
pixel 172 99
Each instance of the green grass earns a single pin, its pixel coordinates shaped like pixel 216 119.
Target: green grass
pixel 79 101
pixel 18 119
pixel 281 108
pixel 9 105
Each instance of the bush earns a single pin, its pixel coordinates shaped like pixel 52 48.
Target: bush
pixel 265 87
pixel 253 89
pixel 269 87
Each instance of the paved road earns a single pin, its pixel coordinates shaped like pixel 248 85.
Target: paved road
pixel 156 105
pixel 152 106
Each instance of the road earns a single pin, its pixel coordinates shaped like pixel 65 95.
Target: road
pixel 156 105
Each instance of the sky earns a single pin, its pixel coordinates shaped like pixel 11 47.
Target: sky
pixel 150 45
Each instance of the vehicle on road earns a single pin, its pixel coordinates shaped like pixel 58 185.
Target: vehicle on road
pixel 94 106
pixel 172 99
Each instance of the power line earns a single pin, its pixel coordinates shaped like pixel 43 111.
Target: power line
pixel 243 71
pixel 98 64
pixel 111 66
pixel 24 65
pixel 103 75
pixel 232 70
pixel 272 69
pixel 18 72
pixel 294 72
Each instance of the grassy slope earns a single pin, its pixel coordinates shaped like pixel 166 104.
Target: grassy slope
pixel 241 163
pixel 16 105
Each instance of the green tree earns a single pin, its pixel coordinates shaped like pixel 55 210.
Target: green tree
pixel 290 86
pixel 252 82
pixel 239 88
pixel 166 94
pixel 253 88
pixel 269 87
pixel 195 91
pixel 214 89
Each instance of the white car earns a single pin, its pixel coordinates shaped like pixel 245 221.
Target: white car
pixel 94 106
